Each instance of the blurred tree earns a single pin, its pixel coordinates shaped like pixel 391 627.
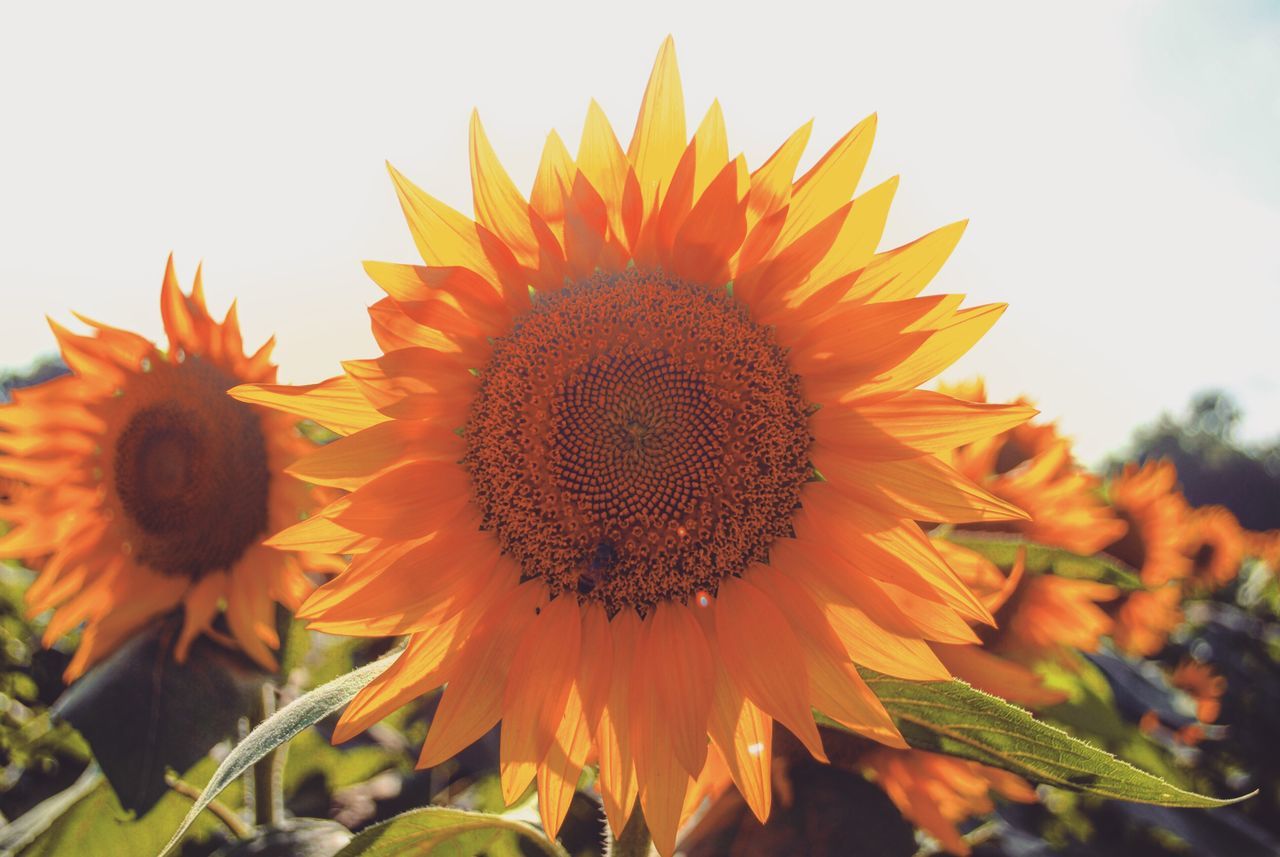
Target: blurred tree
pixel 1214 467
pixel 41 369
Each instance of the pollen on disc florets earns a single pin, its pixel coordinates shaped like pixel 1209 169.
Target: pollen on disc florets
pixel 190 471
pixel 637 438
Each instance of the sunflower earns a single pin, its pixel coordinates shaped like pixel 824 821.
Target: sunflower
pixel 584 473
pixel 144 486
pixel 1146 498
pixel 937 792
pixel 1031 466
pixel 1199 681
pixel 1039 617
pixel 1265 546
pixel 1145 618
pixel 1216 544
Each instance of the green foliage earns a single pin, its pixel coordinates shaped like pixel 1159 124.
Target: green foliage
pixel 1213 466
pixel 446 832
pixel 953 718
pixel 1042 559
pixel 89 821
pixel 143 713
pixel 40 755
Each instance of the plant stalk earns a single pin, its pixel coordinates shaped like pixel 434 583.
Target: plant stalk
pixel 268 772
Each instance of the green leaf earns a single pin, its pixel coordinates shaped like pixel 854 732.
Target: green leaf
pixel 304 711
pixel 953 718
pixel 87 820
pixel 440 831
pixel 33 823
pixel 143 713
pixel 1041 559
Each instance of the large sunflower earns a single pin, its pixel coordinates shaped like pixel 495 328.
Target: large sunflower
pixel 584 473
pixel 1032 466
pixel 146 487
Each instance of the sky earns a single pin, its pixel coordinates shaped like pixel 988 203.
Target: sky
pixel 1116 161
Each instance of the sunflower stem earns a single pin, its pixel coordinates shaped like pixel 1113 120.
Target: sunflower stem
pixel 268 772
pixel 635 840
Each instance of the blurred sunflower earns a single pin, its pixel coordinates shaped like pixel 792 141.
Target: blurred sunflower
pixel 1199 681
pixel 1032 467
pixel 145 487
pixel 937 792
pixel 1146 498
pixel 1145 618
pixel 583 472
pixel 1216 544
pixel 1265 546
pixel 1039 617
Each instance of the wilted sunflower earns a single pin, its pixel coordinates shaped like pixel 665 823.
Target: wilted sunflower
pixel 1032 466
pixel 1147 499
pixel 1215 543
pixel 584 472
pixel 146 487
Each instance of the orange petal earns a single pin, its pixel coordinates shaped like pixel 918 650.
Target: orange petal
pixel 944 346
pixel 830 183
pixel 472 701
pixel 335 404
pixel 923 489
pixel 662 778
pixel 763 657
pixel 904 271
pixel 744 735
pixel 771 182
pixel 558 774
pixel 408 502
pixel 711 233
pixel 613 738
pixel 500 207
pixel 443 236
pixel 660 134
pixel 682 681
pixel 711 143
pixel 351 461
pixel 537 690
pixel 916 422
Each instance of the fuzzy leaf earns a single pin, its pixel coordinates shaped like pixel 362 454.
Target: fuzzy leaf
pixel 953 718
pixel 304 711
pixel 442 831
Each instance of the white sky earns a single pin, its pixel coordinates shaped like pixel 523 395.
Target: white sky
pixel 1117 162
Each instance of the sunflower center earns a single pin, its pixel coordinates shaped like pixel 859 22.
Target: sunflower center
pixel 1202 560
pixel 637 438
pixel 1132 547
pixel 191 474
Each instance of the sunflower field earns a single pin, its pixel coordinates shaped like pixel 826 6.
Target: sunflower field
pixel 649 528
